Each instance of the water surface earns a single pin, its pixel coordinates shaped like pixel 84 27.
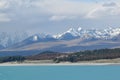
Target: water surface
pixel 60 73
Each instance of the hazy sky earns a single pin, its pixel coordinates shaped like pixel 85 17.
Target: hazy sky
pixel 55 16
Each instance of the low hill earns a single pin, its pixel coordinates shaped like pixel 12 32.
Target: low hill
pixel 47 55
pixel 91 55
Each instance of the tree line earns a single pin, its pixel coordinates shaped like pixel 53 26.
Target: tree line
pixel 11 59
pixel 90 55
pixel 86 55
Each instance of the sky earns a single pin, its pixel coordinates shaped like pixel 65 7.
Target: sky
pixel 56 16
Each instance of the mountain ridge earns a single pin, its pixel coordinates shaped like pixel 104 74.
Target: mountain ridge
pixel 7 40
pixel 70 41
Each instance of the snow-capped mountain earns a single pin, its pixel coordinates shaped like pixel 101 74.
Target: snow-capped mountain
pixel 68 35
pixel 39 38
pixel 72 40
pixel 7 39
pixel 105 34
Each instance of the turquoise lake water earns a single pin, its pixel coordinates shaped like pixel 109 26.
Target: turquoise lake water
pixel 60 73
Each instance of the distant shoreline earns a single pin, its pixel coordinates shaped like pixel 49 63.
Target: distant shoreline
pixel 57 64
pixel 60 64
pixel 52 63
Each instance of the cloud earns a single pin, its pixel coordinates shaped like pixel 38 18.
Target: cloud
pixel 4 18
pixel 42 14
pixel 110 4
pixel 57 9
pixel 59 18
pixel 104 11
pixel 3 4
pixel 64 7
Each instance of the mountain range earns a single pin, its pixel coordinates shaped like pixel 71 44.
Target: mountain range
pixel 72 40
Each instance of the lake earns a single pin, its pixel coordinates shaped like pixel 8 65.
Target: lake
pixel 60 72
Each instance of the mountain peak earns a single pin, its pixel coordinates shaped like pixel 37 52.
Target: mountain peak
pixel 79 29
pixel 35 38
pixel 71 30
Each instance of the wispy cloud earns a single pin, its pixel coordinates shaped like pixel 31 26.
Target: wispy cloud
pixel 65 7
pixel 59 18
pixel 106 10
pixel 4 18
pixel 3 4
pixel 42 14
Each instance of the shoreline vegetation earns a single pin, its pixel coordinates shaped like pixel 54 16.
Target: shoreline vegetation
pixel 50 63
pixel 88 57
